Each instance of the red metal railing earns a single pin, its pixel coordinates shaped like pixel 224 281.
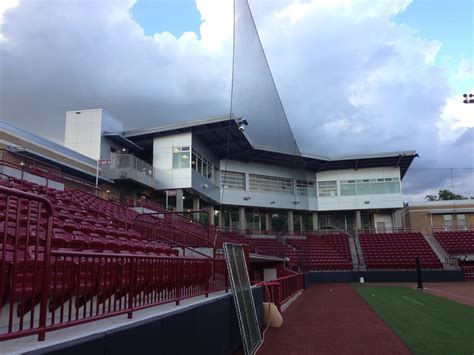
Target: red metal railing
pixel 27 164
pixel 282 289
pixel 25 232
pixel 43 289
pixel 172 226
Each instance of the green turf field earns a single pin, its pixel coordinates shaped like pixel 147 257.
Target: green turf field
pixel 426 323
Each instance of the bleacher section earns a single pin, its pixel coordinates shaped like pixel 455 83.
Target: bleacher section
pixel 456 242
pixel 84 222
pixel 94 265
pixel 327 252
pixel 397 251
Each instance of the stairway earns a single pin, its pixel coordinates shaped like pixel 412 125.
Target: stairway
pixel 360 254
pixel 448 263
pixel 354 256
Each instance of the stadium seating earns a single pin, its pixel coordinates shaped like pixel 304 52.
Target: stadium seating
pixel 456 242
pixel 328 252
pixel 80 222
pixel 397 251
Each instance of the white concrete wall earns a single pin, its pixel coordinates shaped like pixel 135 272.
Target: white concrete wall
pixel 169 178
pixel 361 201
pixel 83 132
pixel 383 218
pixel 84 128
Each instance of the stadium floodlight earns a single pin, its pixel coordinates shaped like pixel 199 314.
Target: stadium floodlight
pixel 468 99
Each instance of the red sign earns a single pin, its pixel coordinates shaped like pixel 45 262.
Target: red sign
pixel 105 162
pixel 171 192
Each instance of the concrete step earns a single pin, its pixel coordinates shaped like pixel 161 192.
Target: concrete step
pixel 362 266
pixel 354 256
pixel 448 263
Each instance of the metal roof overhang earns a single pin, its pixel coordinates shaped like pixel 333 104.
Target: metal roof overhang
pixel 120 139
pixel 218 132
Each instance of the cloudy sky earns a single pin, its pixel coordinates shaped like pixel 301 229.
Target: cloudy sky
pixel 354 76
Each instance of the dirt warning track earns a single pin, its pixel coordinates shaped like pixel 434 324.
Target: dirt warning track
pixel 322 321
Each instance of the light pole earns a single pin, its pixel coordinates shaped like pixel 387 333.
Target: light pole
pixel 468 99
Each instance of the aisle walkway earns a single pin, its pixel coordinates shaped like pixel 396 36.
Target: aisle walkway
pixel 328 322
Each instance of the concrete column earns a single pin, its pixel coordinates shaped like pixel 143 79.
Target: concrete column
pixel 211 215
pixel 301 223
pixel 242 222
pixel 396 219
pixel 268 222
pixel 290 222
pixel 221 218
pixel 358 220
pixel 196 207
pixel 179 200
pixel 315 221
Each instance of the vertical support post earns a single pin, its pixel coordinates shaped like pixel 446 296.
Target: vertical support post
pixel 97 178
pixel 221 217
pixel 268 222
pixel 131 288
pixel 358 220
pixel 211 215
pixel 196 207
pixel 315 221
pixel 290 222
pixel 179 200
pixel 418 274
pixel 242 221
pixel 45 284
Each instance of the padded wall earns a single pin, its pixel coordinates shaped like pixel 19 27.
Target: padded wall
pixel 208 328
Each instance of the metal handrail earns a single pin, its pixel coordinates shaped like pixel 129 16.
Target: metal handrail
pixel 31 165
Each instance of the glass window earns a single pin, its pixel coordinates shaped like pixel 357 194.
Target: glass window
pixel 265 183
pixel 181 158
pixel 377 186
pixel 392 185
pixel 461 219
pixel 448 221
pixel 232 180
pixel 305 188
pixel 327 188
pixel 363 187
pixel 348 187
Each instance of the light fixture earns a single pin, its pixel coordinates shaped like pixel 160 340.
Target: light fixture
pixel 184 197
pixel 22 163
pixel 296 202
pixel 108 191
pixel 272 203
pixel 470 100
pixel 246 198
pixel 242 122
pixel 205 186
pixel 124 150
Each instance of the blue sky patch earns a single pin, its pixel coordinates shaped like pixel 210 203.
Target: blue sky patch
pixel 174 16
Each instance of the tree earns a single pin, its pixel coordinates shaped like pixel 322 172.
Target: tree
pixel 445 195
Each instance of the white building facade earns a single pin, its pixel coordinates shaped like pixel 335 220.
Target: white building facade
pixel 213 163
